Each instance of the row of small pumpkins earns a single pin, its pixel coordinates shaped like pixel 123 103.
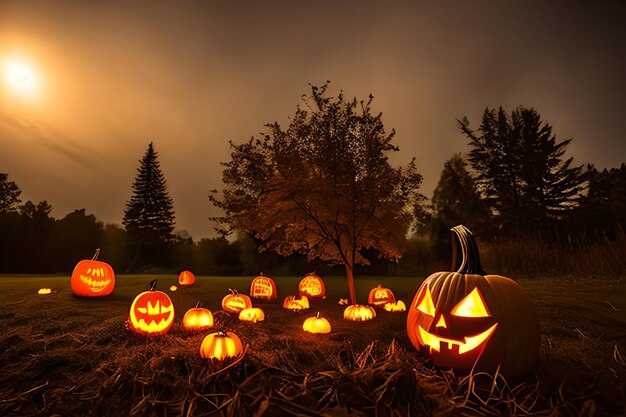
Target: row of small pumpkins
pixel 464 319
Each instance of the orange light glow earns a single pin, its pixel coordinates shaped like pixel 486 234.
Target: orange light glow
pixel 471 306
pixel 20 77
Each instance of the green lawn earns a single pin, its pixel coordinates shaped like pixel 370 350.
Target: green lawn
pixel 71 356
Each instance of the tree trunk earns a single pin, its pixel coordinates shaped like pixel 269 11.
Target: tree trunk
pixel 350 278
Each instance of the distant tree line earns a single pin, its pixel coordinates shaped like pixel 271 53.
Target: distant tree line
pixel 322 190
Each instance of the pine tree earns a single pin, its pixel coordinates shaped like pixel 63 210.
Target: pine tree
pixel 456 200
pixel 9 195
pixel 149 215
pixel 520 168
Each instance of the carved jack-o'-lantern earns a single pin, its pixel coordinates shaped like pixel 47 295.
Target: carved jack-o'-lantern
pixel 395 307
pixel 186 278
pixel 235 302
pixel 380 296
pixel 152 312
pixel 296 303
pixel 316 324
pixel 197 318
pixel 253 314
pixel 263 288
pixel 221 345
pixel 357 312
pixel 468 318
pixel 312 286
pixel 92 278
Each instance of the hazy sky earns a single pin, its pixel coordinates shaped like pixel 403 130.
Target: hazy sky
pixel 114 75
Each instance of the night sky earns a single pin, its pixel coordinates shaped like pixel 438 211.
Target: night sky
pixel 112 76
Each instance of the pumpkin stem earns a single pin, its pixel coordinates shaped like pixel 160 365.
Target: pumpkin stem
pixel 465 255
pixel 318 315
pixel 152 285
pixel 198 304
pixel 95 255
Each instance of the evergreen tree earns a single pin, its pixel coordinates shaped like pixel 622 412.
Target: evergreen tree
pixel 9 195
pixel 456 200
pixel 520 168
pixel 149 215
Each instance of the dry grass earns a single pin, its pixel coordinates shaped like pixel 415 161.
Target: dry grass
pixel 67 357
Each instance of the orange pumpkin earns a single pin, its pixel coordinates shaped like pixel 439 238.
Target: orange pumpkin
pixel 198 318
pixel 316 324
pixel 221 345
pixel 253 314
pixel 186 278
pixel 152 312
pixel 235 302
pixel 263 288
pixel 92 278
pixel 357 312
pixel 312 286
pixel 470 320
pixel 296 303
pixel 380 296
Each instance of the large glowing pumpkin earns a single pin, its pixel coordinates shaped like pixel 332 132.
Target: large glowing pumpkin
pixel 221 345
pixel 235 302
pixel 92 278
pixel 380 296
pixel 312 286
pixel 263 288
pixel 468 319
pixel 152 312
pixel 186 278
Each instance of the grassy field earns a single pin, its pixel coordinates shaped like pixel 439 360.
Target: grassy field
pixel 64 356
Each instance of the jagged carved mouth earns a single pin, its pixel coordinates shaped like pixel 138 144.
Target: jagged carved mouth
pixel 470 343
pixel 95 285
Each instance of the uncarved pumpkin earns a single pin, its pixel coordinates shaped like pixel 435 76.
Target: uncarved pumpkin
pixel 92 278
pixel 316 324
pixel 357 312
pixel 221 345
pixel 467 319
pixel 198 318
pixel 186 278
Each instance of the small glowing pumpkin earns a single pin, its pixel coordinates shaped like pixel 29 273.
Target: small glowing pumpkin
pixel 296 303
pixel 395 307
pixel 186 278
pixel 235 302
pixel 312 286
pixel 92 278
pixel 358 312
pixel 470 320
pixel 316 324
pixel 253 314
pixel 44 291
pixel 173 288
pixel 263 288
pixel 380 296
pixel 152 312
pixel 198 318
pixel 221 345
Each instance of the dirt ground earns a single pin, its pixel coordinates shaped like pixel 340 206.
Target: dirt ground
pixel 65 356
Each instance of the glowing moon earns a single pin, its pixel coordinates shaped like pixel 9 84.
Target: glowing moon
pixel 20 77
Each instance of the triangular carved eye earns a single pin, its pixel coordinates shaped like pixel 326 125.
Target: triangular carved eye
pixel 472 305
pixel 426 306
